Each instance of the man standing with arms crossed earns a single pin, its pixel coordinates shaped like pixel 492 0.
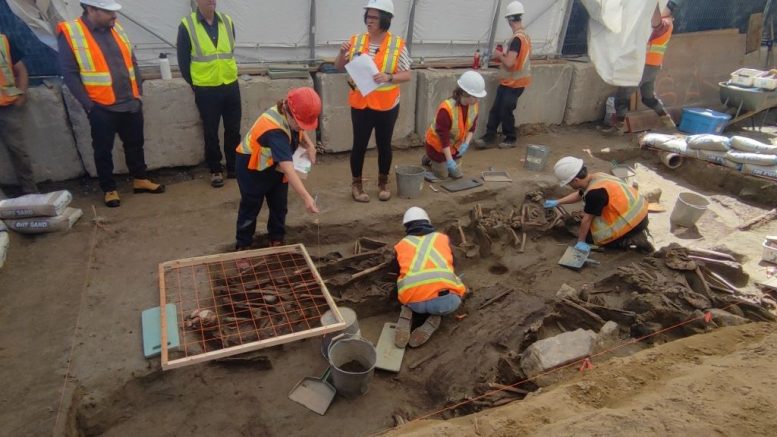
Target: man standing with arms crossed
pixel 206 58
pixel 102 73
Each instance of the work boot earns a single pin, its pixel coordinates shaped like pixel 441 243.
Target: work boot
pixel 146 186
pixel 112 199
pixel 640 242
pixel 357 191
pixel 276 243
pixel 485 141
pixel 216 180
pixel 667 122
pixel 384 193
pixel 426 161
pixel 456 173
pixel 508 144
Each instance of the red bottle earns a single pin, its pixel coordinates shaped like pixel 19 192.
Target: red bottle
pixel 476 60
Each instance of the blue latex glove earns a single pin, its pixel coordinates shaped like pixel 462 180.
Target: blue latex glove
pixel 451 165
pixel 463 148
pixel 583 246
pixel 550 203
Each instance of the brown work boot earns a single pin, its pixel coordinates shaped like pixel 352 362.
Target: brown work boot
pixel 112 199
pixel 667 122
pixel 383 191
pixel 357 191
pixel 146 186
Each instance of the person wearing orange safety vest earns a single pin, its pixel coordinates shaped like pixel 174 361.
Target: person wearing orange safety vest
pixel 659 41
pixel 99 68
pixel 264 166
pixel 426 281
pixel 13 112
pixel 448 137
pixel 379 109
pixel 615 214
pixel 514 78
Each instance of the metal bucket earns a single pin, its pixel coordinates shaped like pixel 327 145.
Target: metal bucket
pixel 536 157
pixel 351 328
pixel 410 181
pixel 688 209
pixel 353 364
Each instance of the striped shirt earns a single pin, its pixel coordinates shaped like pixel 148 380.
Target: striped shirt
pixel 404 57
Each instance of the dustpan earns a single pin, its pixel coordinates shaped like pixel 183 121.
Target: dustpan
pixel 575 259
pixel 315 394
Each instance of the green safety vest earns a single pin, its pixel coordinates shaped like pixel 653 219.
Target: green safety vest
pixel 212 66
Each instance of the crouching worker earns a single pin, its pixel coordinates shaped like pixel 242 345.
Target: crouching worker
pixel 426 283
pixel 448 138
pixel 264 164
pixel 615 214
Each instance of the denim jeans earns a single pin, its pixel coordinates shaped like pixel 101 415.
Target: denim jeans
pixel 439 306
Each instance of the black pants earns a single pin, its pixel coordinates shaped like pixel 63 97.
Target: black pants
pixel 255 187
pixel 363 122
pixel 214 104
pixel 105 125
pixel 502 112
pixel 618 242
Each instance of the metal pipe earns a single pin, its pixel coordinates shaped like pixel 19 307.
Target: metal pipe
pixel 564 28
pixel 312 30
pixel 410 28
pixel 492 32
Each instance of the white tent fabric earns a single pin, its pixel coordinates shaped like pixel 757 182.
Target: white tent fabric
pixel 276 31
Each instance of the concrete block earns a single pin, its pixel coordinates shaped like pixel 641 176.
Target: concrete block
pixel 336 131
pixel 554 351
pixel 47 136
pixel 588 95
pixel 259 93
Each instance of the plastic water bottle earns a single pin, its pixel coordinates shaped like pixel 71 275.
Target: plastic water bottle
pixel 164 67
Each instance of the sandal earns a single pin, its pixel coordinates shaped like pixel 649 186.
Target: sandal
pixel 423 333
pixel 402 333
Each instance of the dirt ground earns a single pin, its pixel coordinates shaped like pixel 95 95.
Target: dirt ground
pixel 71 352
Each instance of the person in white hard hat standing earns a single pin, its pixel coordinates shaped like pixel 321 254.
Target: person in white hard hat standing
pixel 514 78
pixel 100 69
pixel 615 214
pixel 448 137
pixel 379 109
pixel 426 282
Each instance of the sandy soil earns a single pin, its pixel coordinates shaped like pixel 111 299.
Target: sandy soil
pixel 71 302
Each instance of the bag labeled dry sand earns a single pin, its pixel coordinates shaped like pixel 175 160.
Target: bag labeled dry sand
pixel 760 170
pixel 41 225
pixel 35 205
pixel 654 140
pixel 712 156
pixel 709 142
pixel 733 165
pixel 750 145
pixel 752 158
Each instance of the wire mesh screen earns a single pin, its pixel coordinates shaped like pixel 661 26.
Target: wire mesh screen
pixel 233 303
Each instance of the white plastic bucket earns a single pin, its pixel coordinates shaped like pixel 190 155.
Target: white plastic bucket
pixel 770 253
pixel 688 209
pixel 351 327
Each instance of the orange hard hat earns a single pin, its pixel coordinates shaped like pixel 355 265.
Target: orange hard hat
pixel 305 106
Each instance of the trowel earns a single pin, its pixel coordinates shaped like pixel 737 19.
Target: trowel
pixel 575 259
pixel 315 394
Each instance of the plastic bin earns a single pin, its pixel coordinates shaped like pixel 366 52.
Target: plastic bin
pixel 703 121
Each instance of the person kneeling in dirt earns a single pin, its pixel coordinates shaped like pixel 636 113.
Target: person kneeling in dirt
pixel 615 214
pixel 426 282
pixel 448 137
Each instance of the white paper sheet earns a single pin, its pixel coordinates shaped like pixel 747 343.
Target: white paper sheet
pixel 301 162
pixel 361 70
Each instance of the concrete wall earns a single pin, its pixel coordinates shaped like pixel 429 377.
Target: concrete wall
pixel 335 125
pixel 587 95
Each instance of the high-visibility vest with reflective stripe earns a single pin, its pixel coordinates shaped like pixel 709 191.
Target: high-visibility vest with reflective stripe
pixel 425 268
pixel 95 74
pixel 8 91
pixel 657 47
pixel 625 209
pixel 212 65
pixel 519 75
pixel 261 156
pixel 386 96
pixel 459 128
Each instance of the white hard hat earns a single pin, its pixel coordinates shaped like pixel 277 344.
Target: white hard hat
pixel 415 213
pixel 514 8
pixel 382 5
pixel 567 168
pixel 473 83
pixel 108 5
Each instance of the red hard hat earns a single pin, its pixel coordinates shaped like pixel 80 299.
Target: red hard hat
pixel 305 107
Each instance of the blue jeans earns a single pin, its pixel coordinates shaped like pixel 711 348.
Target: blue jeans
pixel 439 306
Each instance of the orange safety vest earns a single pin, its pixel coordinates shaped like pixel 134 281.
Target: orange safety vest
pixel 8 91
pixel 625 209
pixel 425 268
pixel 95 74
pixel 519 76
pixel 459 129
pixel 386 96
pixel 261 156
pixel 657 46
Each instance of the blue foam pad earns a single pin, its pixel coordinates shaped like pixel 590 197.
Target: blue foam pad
pixel 152 324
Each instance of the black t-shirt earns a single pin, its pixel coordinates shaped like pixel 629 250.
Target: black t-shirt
pixel 595 201
pixel 515 45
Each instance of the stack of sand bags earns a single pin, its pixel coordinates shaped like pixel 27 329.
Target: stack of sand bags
pixel 755 157
pixel 713 148
pixel 4 240
pixel 39 213
pixel 668 143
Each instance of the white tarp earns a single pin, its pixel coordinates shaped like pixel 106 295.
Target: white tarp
pixel 618 33
pixel 271 30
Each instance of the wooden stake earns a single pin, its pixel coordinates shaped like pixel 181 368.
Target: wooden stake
pixel 757 221
pixel 495 298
